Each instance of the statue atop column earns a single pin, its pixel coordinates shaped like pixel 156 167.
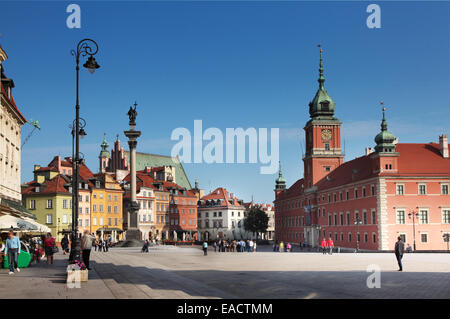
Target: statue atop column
pixel 132 114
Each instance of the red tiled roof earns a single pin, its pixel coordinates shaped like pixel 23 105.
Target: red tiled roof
pixel 221 193
pixel 52 186
pixel 421 160
pixel 11 100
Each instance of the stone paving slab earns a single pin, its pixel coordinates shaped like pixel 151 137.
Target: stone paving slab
pixel 184 273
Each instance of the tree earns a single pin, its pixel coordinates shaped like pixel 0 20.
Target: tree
pixel 256 221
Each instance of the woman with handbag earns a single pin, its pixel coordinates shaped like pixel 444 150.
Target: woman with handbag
pixel 49 246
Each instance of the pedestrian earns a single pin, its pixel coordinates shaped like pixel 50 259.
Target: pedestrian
pixel 324 246
pixel 399 250
pixel 12 250
pixel 250 246
pixel 215 246
pixel 86 246
pixel 205 248
pixel 288 247
pixel 254 246
pixel 330 244
pixel 49 247
pixel 274 246
pixel 281 247
pixel 104 246
pixel 65 244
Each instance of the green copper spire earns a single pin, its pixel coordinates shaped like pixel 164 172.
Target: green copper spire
pixel 280 183
pixel 384 139
pixel 322 106
pixel 104 152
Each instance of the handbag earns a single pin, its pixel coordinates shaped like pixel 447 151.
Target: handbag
pixel 55 248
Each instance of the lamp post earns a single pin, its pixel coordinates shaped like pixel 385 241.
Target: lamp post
pixel 414 215
pixel 318 228
pixel 84 47
pixel 357 223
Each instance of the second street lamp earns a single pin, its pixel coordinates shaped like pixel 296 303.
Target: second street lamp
pixel 357 223
pixel 84 47
pixel 414 215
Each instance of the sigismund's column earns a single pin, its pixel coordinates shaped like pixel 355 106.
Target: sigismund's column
pixel 132 232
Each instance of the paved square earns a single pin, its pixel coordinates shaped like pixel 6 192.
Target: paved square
pixel 172 272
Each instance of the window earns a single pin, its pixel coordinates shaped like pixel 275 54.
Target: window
pixel 422 189
pixel 374 217
pixel 446 216
pixel 94 195
pixel 424 237
pixel 115 221
pixel 101 221
pixel 400 189
pixel 349 237
pixel 109 222
pixel 327 168
pixel 109 209
pixel 64 203
pixel 347 195
pixel 335 219
pixel 87 210
pixel 115 197
pixel 364 192
pixel 80 198
pixel 329 219
pixel 366 237
pixel 340 196
pixel 358 237
pixel 64 219
pixel 101 208
pixel 94 221
pixel 94 208
pixel 400 216
pixel 87 198
pixel 327 146
pixel 32 204
pixel 116 209
pixel 86 222
pixel 423 217
pixel 80 222
pixel 374 238
pixel 109 198
pixel 444 189
pixel 365 218
pixel 342 219
pixel 348 218
pixel 49 219
pixel 356 193
pixel 373 190
pixel 49 203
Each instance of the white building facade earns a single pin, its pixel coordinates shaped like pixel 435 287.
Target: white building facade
pixel 146 214
pixel 221 215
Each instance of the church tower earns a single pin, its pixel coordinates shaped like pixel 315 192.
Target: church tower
pixel 323 135
pixel 104 156
pixel 280 183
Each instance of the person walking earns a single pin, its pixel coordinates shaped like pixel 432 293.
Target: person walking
pixel 12 250
pixel 324 246
pixel 281 246
pixel 399 250
pixel 330 245
pixel 254 246
pixel 65 244
pixel 215 246
pixel 49 244
pixel 205 248
pixel 86 246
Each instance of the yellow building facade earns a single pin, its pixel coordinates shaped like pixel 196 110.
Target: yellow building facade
pixel 106 207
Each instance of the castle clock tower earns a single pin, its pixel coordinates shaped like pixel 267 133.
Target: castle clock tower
pixel 323 136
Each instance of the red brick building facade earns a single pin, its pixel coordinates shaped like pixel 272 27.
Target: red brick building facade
pixel 398 189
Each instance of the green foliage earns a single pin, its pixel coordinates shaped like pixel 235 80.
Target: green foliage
pixel 256 221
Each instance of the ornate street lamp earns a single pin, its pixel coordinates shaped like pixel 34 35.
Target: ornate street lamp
pixel 84 47
pixel 414 215
pixel 357 223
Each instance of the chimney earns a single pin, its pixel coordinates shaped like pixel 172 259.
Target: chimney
pixel 443 143
pixel 369 150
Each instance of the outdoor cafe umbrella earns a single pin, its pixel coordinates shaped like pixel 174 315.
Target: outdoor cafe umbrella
pixel 11 222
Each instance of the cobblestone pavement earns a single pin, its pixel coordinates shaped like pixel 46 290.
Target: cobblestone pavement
pixel 172 272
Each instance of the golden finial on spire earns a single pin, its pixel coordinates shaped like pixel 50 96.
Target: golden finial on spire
pixel 383 108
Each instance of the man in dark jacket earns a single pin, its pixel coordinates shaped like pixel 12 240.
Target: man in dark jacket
pixel 399 250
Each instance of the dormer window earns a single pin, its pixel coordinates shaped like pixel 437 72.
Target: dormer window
pixel 97 184
pixel 325 105
pixel 37 189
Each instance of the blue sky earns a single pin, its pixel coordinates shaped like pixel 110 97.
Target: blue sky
pixel 230 64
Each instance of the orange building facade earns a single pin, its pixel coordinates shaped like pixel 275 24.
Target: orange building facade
pixel 397 189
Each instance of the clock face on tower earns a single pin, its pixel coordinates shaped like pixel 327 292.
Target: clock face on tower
pixel 326 135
